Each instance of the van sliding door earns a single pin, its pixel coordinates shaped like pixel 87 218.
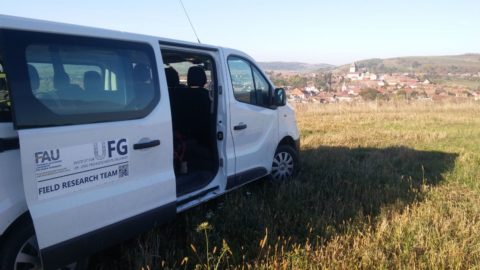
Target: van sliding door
pixel 95 139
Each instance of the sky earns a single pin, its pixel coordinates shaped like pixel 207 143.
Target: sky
pixel 333 32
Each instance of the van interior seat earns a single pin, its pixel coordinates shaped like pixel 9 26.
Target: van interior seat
pixel 191 118
pixel 92 82
pixel 45 97
pixel 66 90
pixel 142 81
pixel 173 80
pixel 190 106
pixel 61 80
pixel 196 77
pixel 141 73
pixel 199 102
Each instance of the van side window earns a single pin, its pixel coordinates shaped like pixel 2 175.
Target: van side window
pixel 80 80
pixel 68 80
pixel 249 86
pixel 5 114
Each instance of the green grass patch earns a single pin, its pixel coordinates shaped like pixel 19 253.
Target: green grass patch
pixel 382 186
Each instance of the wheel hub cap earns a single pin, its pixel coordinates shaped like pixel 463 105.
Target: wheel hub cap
pixel 282 167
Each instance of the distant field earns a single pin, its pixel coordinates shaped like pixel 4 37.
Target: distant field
pixel 383 186
pixel 473 84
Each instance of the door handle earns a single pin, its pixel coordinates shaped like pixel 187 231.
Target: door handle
pixel 240 126
pixel 144 145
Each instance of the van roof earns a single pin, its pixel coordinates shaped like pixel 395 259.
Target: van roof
pixel 21 23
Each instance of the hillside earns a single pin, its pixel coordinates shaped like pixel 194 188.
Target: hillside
pixel 292 66
pixel 465 63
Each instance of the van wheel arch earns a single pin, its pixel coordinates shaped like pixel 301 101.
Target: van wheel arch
pixel 22 223
pixel 22 220
pixel 288 140
pixel 17 236
pixel 286 162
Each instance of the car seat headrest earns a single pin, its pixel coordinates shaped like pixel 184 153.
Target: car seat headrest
pixel 196 77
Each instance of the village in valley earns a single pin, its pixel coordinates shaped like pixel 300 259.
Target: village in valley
pixel 360 84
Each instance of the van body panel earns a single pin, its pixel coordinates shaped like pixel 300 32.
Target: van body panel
pixel 58 219
pixel 254 145
pixel 96 240
pixel 287 123
pixel 228 135
pixel 12 197
pixel 81 178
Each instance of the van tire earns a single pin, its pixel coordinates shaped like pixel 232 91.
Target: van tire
pixel 22 239
pixel 285 164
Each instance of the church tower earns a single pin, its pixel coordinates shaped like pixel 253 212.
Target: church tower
pixel 353 68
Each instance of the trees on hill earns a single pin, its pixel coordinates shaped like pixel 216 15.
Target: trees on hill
pixel 369 94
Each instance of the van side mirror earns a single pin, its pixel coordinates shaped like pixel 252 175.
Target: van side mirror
pixel 280 97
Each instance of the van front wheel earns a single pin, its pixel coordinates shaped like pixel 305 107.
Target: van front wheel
pixel 285 163
pixel 20 251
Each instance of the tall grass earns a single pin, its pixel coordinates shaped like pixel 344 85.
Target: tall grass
pixel 382 186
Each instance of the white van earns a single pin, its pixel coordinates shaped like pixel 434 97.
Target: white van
pixel 104 134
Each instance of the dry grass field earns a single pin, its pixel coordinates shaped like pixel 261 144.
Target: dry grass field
pixel 382 186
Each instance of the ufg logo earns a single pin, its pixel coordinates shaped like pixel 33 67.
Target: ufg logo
pixel 47 156
pixel 110 148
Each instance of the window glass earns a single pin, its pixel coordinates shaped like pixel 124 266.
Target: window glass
pixel 182 68
pixel 73 80
pixel 262 89
pixel 5 114
pixel 77 73
pixel 61 79
pixel 249 85
pixel 242 80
